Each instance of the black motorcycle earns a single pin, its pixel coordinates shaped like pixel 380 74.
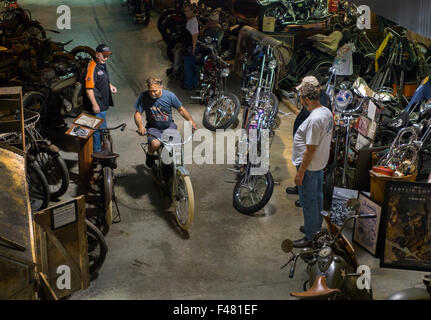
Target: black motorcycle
pixel 140 10
pixel 293 12
pixel 17 22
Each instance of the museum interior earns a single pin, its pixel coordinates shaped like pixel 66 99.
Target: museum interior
pixel 215 150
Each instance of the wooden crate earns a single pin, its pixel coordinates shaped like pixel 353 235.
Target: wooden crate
pixel 61 242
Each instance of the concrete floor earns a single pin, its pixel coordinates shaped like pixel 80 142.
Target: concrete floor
pixel 226 255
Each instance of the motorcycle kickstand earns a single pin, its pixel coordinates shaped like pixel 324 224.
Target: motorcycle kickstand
pixel 118 210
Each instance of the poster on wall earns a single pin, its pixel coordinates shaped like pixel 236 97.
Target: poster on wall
pixel 339 211
pixel 366 231
pixel 407 226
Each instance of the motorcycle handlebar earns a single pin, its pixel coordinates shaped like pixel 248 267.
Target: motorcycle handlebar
pixel 122 126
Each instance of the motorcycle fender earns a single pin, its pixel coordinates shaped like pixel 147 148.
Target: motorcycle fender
pixel 334 273
pixel 53 148
pixel 183 171
pixel 265 2
pixel 411 294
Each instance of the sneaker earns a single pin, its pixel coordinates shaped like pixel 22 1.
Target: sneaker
pixel 150 161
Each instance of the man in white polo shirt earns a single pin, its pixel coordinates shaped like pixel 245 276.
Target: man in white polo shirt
pixel 311 146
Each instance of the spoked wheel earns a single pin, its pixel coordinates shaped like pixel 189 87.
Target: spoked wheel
pixel 184 201
pixel 38 188
pixel 83 56
pixel 55 171
pixel 275 11
pixel 97 249
pixel 252 192
pixel 221 112
pixel 31 30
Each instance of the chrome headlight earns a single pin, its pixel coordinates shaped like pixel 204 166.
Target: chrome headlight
pixel 272 64
pixel 225 72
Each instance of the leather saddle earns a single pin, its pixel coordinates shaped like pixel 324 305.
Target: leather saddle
pixel 328 44
pixel 105 154
pixel 318 290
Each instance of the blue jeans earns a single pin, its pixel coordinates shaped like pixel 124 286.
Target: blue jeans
pixel 190 76
pixel 97 138
pixel 311 199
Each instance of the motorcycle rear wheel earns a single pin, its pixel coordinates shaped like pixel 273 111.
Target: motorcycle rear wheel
pixel 97 249
pixel 217 102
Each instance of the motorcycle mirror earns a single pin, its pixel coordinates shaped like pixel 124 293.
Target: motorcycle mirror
pixel 353 204
pixel 287 246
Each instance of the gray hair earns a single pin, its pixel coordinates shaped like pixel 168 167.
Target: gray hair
pixel 310 91
pixel 156 81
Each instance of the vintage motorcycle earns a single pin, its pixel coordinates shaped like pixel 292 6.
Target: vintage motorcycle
pixel 415 293
pixel 332 266
pixel 222 107
pixel 254 186
pixel 288 12
pixel 16 22
pixel 140 10
pixel 174 178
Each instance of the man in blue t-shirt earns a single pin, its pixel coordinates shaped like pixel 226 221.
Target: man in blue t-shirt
pixel 157 104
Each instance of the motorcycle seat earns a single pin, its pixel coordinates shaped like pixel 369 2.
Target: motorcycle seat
pixel 328 44
pixel 105 154
pixel 319 289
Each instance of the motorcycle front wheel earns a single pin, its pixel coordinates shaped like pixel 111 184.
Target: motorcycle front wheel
pixel 55 171
pixel 38 188
pixel 252 193
pixel 97 249
pixel 221 112
pixel 273 10
pixel 184 201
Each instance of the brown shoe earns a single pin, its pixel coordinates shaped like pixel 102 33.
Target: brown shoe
pixel 302 243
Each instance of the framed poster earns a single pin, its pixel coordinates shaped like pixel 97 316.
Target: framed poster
pixel 406 222
pixel 366 231
pixel 339 211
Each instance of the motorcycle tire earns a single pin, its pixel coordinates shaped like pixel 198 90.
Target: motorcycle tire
pixel 321 71
pixel 36 180
pixel 34 29
pixel 275 105
pixel 230 121
pixel 97 249
pixel 262 203
pixel 108 190
pixel 171 27
pixel 162 19
pixel 262 13
pixel 53 166
pixel 170 49
pixel 91 53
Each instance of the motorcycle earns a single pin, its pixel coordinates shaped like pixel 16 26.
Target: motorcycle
pixel 16 22
pixel 415 293
pixel 222 107
pixel 332 266
pixel 140 10
pixel 254 187
pixel 288 12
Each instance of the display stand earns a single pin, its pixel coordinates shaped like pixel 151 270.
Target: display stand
pixel 83 127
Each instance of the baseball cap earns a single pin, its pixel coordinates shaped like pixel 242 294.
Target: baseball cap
pixel 308 80
pixel 103 48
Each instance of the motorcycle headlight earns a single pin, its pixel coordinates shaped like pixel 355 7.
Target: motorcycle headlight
pixel 272 64
pixel 225 72
pixel 397 123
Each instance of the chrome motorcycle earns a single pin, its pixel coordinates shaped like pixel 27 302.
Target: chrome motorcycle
pixel 222 107
pixel 332 268
pixel 288 12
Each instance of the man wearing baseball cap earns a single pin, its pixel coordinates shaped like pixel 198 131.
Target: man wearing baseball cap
pixel 99 88
pixel 311 145
pixel 213 29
